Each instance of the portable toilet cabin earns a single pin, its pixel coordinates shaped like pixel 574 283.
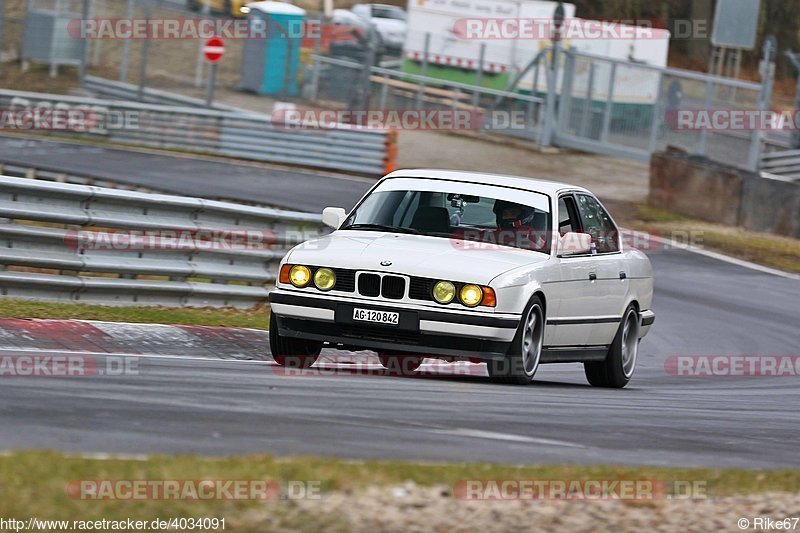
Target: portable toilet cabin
pixel 271 56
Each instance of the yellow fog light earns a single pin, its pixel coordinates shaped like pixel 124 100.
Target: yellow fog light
pixel 300 275
pixel 444 292
pixel 324 279
pixel 471 295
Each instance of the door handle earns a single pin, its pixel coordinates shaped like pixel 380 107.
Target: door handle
pixel 592 276
pixel 622 274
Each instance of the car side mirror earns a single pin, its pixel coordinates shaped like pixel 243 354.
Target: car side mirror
pixel 333 216
pixel 573 243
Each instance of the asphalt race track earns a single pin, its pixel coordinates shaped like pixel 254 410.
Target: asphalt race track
pixel 189 176
pixel 212 406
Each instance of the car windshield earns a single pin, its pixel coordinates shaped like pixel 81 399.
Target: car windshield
pixel 489 215
pixel 388 13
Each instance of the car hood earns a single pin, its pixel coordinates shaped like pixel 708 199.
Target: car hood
pixel 414 255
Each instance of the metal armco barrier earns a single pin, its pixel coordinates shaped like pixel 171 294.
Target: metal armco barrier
pixel 58 245
pixel 127 91
pixel 782 163
pixel 221 132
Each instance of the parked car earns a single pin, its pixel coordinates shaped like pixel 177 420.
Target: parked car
pixel 456 265
pixel 388 21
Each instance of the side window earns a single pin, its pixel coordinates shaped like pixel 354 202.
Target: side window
pixel 567 216
pixel 598 224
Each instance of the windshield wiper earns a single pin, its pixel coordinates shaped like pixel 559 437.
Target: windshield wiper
pixel 382 227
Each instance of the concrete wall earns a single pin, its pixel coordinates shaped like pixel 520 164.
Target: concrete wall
pixel 699 188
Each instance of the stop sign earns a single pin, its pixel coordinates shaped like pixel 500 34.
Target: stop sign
pixel 214 49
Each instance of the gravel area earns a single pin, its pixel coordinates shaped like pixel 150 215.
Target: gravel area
pixel 410 508
pixel 607 177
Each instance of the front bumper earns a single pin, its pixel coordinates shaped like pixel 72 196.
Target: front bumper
pixel 420 330
pixel 646 320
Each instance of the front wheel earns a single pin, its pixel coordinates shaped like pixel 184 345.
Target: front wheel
pixel 291 352
pixel 617 368
pixel 522 360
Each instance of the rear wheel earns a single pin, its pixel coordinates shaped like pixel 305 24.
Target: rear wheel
pixel 522 360
pixel 617 369
pixel 291 352
pixel 404 365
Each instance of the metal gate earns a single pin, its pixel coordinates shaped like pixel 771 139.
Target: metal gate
pixel 630 109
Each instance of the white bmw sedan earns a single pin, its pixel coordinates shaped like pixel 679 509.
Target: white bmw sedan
pixel 509 271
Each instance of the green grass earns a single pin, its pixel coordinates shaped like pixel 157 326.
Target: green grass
pixel 241 318
pixel 35 484
pixel 648 213
pixel 766 249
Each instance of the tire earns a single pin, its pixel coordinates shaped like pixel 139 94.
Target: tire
pixel 290 352
pixel 405 365
pixel 522 360
pixel 616 370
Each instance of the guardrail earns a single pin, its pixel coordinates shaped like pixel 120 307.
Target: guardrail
pixel 219 132
pixel 784 163
pixel 66 242
pixel 129 92
pixel 42 172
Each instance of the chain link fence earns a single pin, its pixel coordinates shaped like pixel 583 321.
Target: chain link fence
pixel 598 104
pixel 341 84
pixel 630 109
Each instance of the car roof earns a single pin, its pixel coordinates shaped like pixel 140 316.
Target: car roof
pixel 551 188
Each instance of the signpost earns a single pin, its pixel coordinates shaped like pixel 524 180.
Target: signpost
pixel 735 29
pixel 2 14
pixel 213 51
pixel 552 77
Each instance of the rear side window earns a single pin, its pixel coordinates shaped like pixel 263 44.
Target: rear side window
pixel 598 224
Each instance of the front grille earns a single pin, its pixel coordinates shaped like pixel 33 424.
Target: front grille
pixel 345 279
pixel 421 289
pixel 369 284
pixel 393 287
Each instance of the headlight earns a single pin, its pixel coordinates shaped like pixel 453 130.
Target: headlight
pixel 324 279
pixel 444 292
pixel 471 295
pixel 300 275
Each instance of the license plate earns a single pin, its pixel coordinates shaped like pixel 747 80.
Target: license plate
pixel 379 317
